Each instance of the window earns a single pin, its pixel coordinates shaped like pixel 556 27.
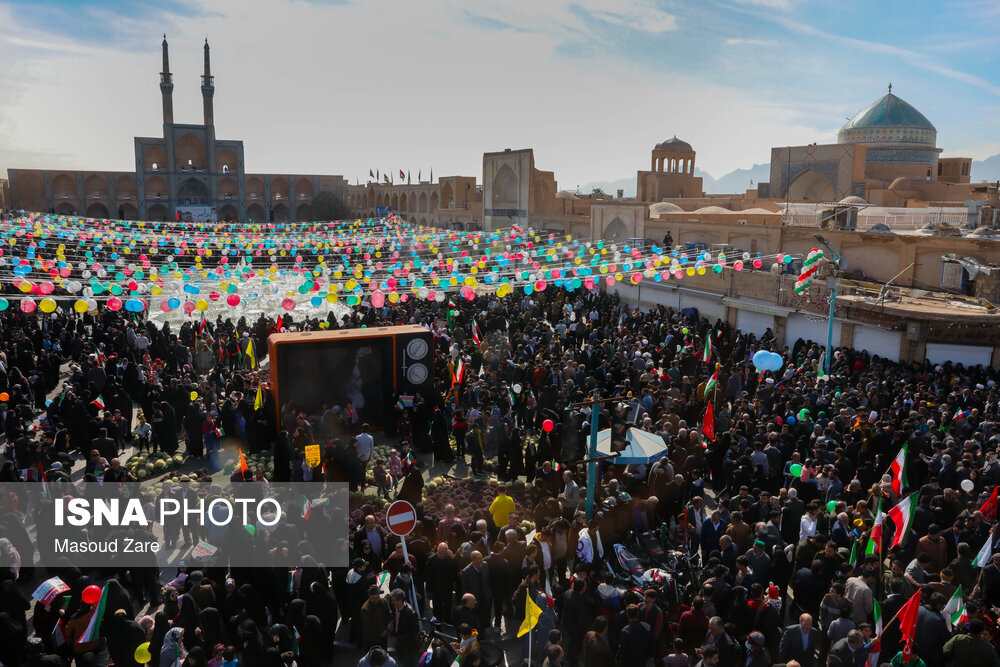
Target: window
pixel 156 167
pixel 225 169
pixel 965 169
pixel 940 168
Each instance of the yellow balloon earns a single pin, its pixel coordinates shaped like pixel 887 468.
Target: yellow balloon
pixel 194 396
pixel 201 305
pixel 503 290
pixel 331 297
pixel 24 286
pixel 47 305
pixel 81 306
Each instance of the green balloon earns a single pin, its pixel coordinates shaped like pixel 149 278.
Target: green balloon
pixel 796 470
pixel 803 414
pixel 251 529
pixel 831 506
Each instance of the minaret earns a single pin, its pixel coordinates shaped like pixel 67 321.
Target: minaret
pixel 208 89
pixel 167 87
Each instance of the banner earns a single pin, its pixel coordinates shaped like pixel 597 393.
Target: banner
pixel 49 590
pixel 312 456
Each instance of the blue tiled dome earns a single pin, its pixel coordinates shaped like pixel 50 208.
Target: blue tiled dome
pixel 888 120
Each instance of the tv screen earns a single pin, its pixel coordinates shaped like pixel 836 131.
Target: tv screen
pixel 314 374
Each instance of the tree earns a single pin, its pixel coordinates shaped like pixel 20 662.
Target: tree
pixel 328 206
pixel 598 193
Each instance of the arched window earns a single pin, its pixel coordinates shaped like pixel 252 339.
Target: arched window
pixel 156 167
pixel 225 169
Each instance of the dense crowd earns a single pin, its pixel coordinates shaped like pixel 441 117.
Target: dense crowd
pixel 767 512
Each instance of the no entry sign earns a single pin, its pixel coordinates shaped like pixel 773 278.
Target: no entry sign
pixel 401 518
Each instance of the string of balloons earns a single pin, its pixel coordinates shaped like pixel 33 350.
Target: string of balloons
pixel 192 267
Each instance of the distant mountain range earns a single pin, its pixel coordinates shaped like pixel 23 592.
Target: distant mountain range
pixel 986 170
pixel 739 181
pixel 736 181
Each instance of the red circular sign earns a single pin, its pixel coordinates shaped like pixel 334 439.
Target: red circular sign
pixel 401 518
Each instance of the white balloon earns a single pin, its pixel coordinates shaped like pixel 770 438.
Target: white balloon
pixel 967 485
pixel 516 388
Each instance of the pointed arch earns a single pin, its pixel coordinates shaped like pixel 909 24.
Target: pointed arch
pixel 434 202
pixel 811 185
pixel 402 202
pixel 505 187
pixel 616 231
pixel 447 196
pixel 422 203
pixel 64 187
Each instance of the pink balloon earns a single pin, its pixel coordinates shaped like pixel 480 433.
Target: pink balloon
pixel 468 292
pixel 378 299
pixel 189 307
pixel 28 305
pixel 165 306
pixel 288 303
pixel 114 303
pixel 233 299
pixel 214 296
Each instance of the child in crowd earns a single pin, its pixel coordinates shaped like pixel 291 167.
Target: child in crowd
pixel 382 480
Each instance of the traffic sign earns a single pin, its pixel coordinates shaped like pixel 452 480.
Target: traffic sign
pixel 401 518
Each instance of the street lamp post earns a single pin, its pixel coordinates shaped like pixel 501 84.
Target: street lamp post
pixel 835 260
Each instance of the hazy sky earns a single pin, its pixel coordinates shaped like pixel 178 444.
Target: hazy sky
pixel 344 87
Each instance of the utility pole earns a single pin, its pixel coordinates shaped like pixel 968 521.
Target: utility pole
pixel 835 261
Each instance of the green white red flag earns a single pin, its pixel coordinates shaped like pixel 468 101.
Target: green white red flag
pixel 93 630
pixel 898 469
pixel 902 518
pixel 875 539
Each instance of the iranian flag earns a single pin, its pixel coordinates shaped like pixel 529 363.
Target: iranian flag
pixel 712 383
pixel 953 610
pixel 459 372
pixel 58 637
pixel 93 630
pixel 875 539
pixel 902 517
pixel 989 508
pixel 550 600
pixel 898 470
pixel 985 554
pixel 706 354
pixel 476 337
pixel 877 643
pixel 99 402
pixel 382 581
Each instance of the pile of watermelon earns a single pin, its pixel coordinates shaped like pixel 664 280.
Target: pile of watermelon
pixel 154 465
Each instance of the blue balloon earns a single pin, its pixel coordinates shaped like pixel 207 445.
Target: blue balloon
pixel 775 361
pixel 174 302
pixel 134 306
pixel 791 421
pixel 760 359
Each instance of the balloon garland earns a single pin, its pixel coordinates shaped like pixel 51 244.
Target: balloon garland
pixel 809 266
pixel 194 269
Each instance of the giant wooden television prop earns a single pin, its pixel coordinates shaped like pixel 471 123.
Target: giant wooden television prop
pixel 364 366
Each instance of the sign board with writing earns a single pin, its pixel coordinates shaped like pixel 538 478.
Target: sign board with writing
pixel 203 550
pixel 49 589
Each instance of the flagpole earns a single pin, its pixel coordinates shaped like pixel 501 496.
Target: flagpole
pixel 530 629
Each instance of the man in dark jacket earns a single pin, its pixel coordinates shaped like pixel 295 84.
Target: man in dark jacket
pixel 596 651
pixel 476 580
pixel 441 577
pixel 850 650
pixel 404 625
pixel 635 642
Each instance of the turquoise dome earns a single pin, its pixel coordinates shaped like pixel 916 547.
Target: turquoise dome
pixel 888 120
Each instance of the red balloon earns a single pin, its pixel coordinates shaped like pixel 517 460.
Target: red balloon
pixel 91 594
pixel 547 425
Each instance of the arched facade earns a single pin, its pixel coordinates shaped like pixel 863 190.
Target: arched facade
pixel 128 211
pixel 189 153
pixel 193 192
pixel 303 213
pixel 505 187
pixel 811 185
pixel 256 213
pixel 229 212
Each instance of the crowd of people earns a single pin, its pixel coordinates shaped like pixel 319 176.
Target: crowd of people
pixel 772 502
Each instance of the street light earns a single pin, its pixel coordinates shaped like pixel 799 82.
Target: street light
pixel 835 260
